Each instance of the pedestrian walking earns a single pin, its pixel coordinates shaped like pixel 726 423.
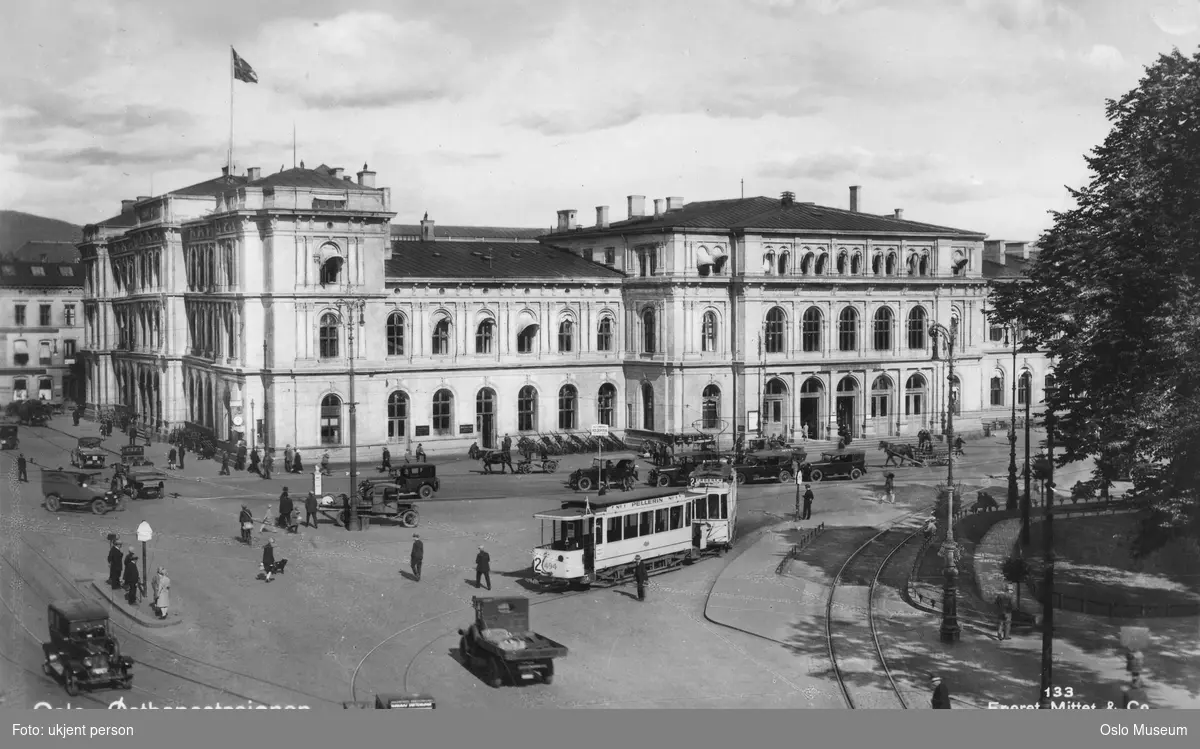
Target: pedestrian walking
pixel 246 521
pixel 75 416
pixel 958 446
pixel 254 461
pixel 1004 613
pixel 507 443
pixel 325 469
pixel 285 509
pixel 132 434
pixel 420 452
pixel 182 452
pixel 483 568
pixel 162 593
pixel 387 461
pixel 240 463
pixel 132 581
pixel 146 432
pixel 418 556
pixel 310 510
pixel 114 562
pixel 268 561
pixel 889 486
pixel 22 468
pixel 941 695
pixel 287 459
pixel 268 463
pixel 172 458
pixel 641 576
pixel 297 464
pixel 346 511
pixel 808 500
pixel 224 463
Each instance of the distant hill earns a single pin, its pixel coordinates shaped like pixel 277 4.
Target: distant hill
pixel 17 228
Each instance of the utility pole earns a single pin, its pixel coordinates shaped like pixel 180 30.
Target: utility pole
pixel 1045 696
pixel 352 311
pixel 1027 500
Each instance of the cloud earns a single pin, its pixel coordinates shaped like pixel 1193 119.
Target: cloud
pixel 1028 15
pixel 1176 17
pixel 956 191
pixel 40 111
pixel 100 156
pixel 857 162
pixel 362 60
pixel 1104 56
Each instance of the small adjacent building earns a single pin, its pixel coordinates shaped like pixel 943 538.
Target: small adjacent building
pixel 40 330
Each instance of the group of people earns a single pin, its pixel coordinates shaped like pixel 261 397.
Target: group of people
pixel 483 563
pixel 123 574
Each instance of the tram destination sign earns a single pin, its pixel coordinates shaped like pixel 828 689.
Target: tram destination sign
pixel 706 482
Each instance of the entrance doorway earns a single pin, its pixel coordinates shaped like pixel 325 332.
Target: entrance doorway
pixel 812 397
pixel 485 417
pixel 774 407
pixel 847 396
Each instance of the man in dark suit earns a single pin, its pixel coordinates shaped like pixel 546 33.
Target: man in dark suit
pixel 941 695
pixel 483 568
pixel 22 468
pixel 114 562
pixel 310 510
pixel 418 556
pixel 808 500
pixel 640 576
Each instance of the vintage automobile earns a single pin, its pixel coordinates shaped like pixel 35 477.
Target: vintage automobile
pixel 134 455
pixel 88 453
pixel 416 478
pixel 617 473
pixel 385 499
pixel 145 483
pixel 775 465
pixel 677 473
pixel 8 437
pixel 77 490
pixel 83 652
pixel 836 464
pixel 500 643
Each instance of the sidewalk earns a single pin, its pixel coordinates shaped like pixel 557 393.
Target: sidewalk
pixel 142 613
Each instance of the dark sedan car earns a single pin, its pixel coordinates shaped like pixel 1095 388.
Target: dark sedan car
pixel 850 464
pixel 773 465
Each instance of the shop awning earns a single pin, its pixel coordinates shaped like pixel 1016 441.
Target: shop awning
pixel 20 347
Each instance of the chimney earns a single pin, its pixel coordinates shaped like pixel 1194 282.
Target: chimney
pixel 127 205
pixel 254 173
pixel 426 229
pixel 601 217
pixel 899 213
pixel 366 178
pixel 225 171
pixel 566 219
pixel 637 206
pixel 339 173
pixel 674 204
pixel 787 199
pixel 855 197
pixel 658 207
pixel 995 250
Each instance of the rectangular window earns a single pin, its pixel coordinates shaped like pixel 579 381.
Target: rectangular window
pixel 69 315
pixel 724 506
pixel 19 314
pixel 610 256
pixel 44 357
pixel 20 353
pixel 644 523
pixel 631 525
pixel 676 517
pixel 37 270
pixel 714 506
pixel 997 391
pixel 614 529
pixel 44 315
pixel 660 521
pixel 687 514
pixel 66 270
pixel 701 510
pixel 69 348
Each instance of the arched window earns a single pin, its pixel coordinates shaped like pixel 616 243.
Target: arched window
pixel 891 264
pixel 711 407
pixel 773 339
pixel 883 329
pixel 1023 384
pixel 440 343
pixel 784 259
pixel 328 336
pixel 604 340
pixel 1048 385
pixel 856 264
pixel 605 399
pixel 955 395
pixel 708 332
pixel 822 262
pixel 997 388
pixel 848 330
pixel 877 264
pixel 527 409
pixel 911 265
pixel 568 401
pixel 566 336
pixel 443 404
pixel 769 262
pixel 806 264
pixel 331 264
pixel 397 415
pixel 484 335
pixel 485 416
pixel 810 333
pixel 648 338
pixel 916 328
pixel 923 264
pixel 647 406
pixel 841 264
pixel 881 396
pixel 914 395
pixel 331 420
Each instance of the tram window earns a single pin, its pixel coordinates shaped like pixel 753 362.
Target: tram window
pixel 714 506
pixel 701 509
pixel 724 506
pixel 644 525
pixel 660 521
pixel 676 518
pixel 599 534
pixel 631 525
pixel 614 529
pixel 687 514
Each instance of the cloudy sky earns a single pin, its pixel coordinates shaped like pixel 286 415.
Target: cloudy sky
pixel 969 113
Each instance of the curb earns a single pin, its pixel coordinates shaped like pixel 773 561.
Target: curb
pixel 119 604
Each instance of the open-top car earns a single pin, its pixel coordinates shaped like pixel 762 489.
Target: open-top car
pixel 83 652
pixel 78 490
pixel 617 471
pixel 850 464
pixel 416 478
pixel 8 437
pixel 145 483
pixel 88 453
pixel 774 465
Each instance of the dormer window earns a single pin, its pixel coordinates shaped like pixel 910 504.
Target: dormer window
pixel 37 270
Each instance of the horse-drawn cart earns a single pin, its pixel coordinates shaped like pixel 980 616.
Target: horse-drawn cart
pixel 923 454
pixel 547 465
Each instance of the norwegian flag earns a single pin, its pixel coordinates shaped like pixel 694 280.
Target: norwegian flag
pixel 242 70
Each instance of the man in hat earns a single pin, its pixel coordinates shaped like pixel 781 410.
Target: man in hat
pixel 1004 613
pixel 387 460
pixel 889 487
pixel 418 556
pixel 22 467
pixel 941 695
pixel 287 459
pixel 808 500
pixel 162 592
pixel 483 568
pixel 182 454
pixel 310 509
pixel 114 562
pixel 132 581
pixel 246 521
pixel 224 463
pixel 269 559
pixel 641 576
pixel 285 509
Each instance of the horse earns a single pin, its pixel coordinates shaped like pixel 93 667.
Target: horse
pixel 985 503
pixel 898 452
pixel 497 457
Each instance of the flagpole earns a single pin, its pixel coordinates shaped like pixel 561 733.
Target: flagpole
pixel 229 160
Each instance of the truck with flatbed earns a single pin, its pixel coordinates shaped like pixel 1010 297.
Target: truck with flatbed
pixel 500 644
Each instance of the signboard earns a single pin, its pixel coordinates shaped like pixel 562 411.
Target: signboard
pixel 466 428
pixel 411 702
pixel 598 430
pixel 421 431
pixel 752 421
pixel 707 482
pixel 144 532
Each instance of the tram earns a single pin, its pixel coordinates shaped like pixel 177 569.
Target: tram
pixel 595 543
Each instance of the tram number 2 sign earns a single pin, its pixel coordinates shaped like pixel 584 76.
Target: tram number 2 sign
pixel 544 565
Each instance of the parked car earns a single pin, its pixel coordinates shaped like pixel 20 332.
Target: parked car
pixel 677 473
pixel 8 437
pixel 775 465
pixel 77 490
pixel 836 464
pixel 145 483
pixel 88 453
pixel 617 473
pixel 83 652
pixel 416 478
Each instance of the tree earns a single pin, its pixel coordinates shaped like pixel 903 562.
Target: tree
pixel 1113 298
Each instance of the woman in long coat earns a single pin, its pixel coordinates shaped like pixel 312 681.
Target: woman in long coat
pixel 297 466
pixel 162 592
pixel 254 460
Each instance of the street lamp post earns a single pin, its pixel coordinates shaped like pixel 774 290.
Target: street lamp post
pixel 352 315
pixel 1044 697
pixel 950 630
pixel 1013 498
pixel 1027 500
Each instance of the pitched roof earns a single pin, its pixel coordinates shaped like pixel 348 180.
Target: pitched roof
pixel 19 273
pixel 210 187
pixel 470 260
pixel 321 177
pixel 499 233
pixel 768 213
pixel 53 251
